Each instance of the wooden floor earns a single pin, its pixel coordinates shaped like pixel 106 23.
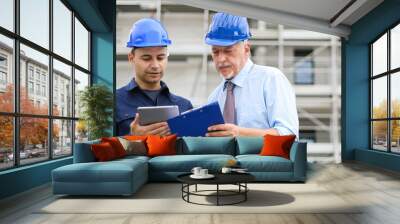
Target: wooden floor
pixel 377 188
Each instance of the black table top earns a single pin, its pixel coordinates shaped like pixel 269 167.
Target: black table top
pixel 220 178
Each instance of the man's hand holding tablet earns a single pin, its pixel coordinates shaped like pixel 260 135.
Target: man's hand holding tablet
pixel 151 120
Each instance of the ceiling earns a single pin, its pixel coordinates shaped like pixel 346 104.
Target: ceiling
pixel 333 17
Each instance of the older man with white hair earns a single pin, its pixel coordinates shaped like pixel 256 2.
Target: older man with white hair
pixel 255 100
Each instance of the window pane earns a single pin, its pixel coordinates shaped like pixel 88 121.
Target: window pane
pixel 303 67
pixel 35 21
pixel 33 139
pixel 379 55
pixel 395 47
pixel 62 29
pixel 62 138
pixel 7 14
pixel 81 45
pixel 395 94
pixel 379 97
pixel 34 97
pixel 81 81
pixel 62 89
pixel 395 138
pixel 81 131
pixel 6 74
pixel 379 135
pixel 6 142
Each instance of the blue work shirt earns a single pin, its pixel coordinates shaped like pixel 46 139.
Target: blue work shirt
pixel 264 98
pixel 130 97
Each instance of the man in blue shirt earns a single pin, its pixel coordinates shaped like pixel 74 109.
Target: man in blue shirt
pixel 149 56
pixel 255 100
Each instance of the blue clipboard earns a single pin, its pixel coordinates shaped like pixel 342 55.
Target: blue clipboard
pixel 195 122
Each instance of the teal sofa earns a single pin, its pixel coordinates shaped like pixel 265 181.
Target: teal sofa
pixel 125 176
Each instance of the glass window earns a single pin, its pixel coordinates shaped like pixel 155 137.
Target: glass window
pixel 81 81
pixel 62 72
pixel 40 62
pixel 379 56
pixel 81 45
pixel 6 142
pixel 395 47
pixel 395 95
pixel 7 14
pixel 3 61
pixel 43 90
pixel 62 29
pixel 30 72
pixel 37 89
pixel 34 78
pixel 7 74
pixel 3 78
pixel 33 139
pixel 35 21
pixel 81 131
pixel 304 67
pixel 37 74
pixel 382 138
pixel 395 136
pixel 62 138
pixel 30 88
pixel 379 98
pixel 379 135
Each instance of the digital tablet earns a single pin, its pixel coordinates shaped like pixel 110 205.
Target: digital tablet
pixel 150 115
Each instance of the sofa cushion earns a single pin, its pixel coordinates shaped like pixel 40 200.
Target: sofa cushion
pixel 103 152
pixel 161 145
pixel 133 147
pixel 207 145
pixel 275 145
pixel 185 163
pixel 116 145
pixel 111 171
pixel 249 145
pixel 257 163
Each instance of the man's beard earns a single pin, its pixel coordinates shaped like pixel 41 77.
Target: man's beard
pixel 227 77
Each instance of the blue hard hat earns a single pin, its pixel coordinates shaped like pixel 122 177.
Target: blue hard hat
pixel 226 29
pixel 148 33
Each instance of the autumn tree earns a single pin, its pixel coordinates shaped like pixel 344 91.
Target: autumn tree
pixel 33 131
pixel 380 128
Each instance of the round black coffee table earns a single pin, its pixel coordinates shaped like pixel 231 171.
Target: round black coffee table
pixel 238 179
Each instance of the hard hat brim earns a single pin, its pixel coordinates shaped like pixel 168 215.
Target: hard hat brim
pixel 221 42
pixel 166 43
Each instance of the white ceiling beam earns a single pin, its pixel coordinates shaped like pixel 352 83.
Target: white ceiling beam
pixel 269 15
pixel 347 12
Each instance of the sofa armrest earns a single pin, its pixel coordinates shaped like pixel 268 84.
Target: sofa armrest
pixel 83 152
pixel 298 155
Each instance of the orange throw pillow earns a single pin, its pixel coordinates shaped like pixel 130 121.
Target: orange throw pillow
pixel 103 151
pixel 116 145
pixel 160 146
pixel 275 145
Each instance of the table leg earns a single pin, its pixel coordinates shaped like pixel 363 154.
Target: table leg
pixel 217 194
pixel 245 191
pixel 196 188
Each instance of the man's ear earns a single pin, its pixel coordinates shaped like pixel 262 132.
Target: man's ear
pixel 247 47
pixel 131 56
